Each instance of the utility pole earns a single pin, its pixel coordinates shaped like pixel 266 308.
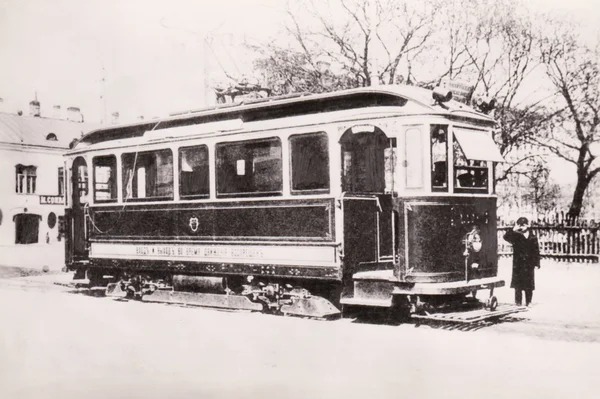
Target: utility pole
pixel 103 96
pixel 205 71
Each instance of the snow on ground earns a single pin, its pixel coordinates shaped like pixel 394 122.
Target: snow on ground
pixel 72 346
pixel 56 344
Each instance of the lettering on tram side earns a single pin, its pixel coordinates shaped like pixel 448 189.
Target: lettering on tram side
pixel 156 250
pixel 199 251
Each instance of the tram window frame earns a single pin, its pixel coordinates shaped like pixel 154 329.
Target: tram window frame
pixel 233 160
pixel 390 157
pixel 202 170
pixel 105 161
pixel 414 166
pixel 131 179
pixel 299 184
pixel 475 169
pixel 439 161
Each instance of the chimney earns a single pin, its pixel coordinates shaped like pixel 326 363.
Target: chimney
pixel 34 108
pixel 74 114
pixel 56 112
pixel 115 118
pixel 1 104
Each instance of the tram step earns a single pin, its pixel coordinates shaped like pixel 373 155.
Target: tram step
pixel 314 306
pixel 382 303
pixel 203 299
pixel 472 316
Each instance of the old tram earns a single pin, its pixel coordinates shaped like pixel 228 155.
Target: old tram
pixel 302 205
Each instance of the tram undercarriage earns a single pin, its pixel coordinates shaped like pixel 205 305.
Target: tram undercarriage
pixel 227 292
pixel 451 302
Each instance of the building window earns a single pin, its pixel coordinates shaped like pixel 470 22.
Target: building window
pixel 61 181
pixel 25 179
pixel 27 228
pixel 148 175
pixel 310 162
pixel 193 172
pixel 105 178
pixel 249 168
pixel 51 137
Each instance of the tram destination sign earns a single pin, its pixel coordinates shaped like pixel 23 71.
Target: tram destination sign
pixel 461 91
pixel 52 199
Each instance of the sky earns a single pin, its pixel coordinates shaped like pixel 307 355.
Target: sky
pixel 141 57
pixel 146 57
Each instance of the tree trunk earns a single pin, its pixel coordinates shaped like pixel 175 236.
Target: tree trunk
pixel 577 202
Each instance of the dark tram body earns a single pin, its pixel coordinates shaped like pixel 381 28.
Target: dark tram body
pixel 298 205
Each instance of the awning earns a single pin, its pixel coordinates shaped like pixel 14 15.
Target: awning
pixel 478 145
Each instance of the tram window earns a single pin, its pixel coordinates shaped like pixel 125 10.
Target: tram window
pixel 363 162
pixel 470 175
pixel 105 178
pixel 82 182
pixel 249 168
pixel 193 172
pixel 148 175
pixel 310 162
pixel 413 158
pixel 439 158
pixel 390 155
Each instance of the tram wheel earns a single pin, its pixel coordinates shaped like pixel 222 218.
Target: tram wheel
pixel 492 303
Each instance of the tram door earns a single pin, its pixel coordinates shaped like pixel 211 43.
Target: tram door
pixel 79 192
pixel 368 210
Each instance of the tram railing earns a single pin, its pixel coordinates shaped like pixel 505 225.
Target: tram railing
pixel 568 243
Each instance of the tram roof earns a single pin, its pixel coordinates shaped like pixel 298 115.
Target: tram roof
pixel 399 96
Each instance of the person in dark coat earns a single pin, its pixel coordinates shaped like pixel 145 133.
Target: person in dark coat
pixel 526 258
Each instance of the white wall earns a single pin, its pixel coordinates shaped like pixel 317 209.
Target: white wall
pixel 47 162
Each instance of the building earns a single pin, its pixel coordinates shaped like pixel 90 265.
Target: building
pixel 32 185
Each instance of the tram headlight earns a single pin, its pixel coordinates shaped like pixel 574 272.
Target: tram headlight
pixel 473 240
pixel 441 95
pixel 485 104
pixel 476 246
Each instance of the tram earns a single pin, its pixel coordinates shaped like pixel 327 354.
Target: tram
pixel 303 205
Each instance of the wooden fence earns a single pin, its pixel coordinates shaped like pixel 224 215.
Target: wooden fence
pixel 575 243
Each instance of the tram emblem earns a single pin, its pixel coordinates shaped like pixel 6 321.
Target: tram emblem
pixel 194 224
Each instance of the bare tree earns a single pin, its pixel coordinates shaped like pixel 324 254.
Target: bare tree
pixel 350 43
pixel 491 46
pixel 543 193
pixel 574 72
pixel 287 71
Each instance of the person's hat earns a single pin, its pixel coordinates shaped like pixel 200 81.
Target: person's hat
pixel 522 220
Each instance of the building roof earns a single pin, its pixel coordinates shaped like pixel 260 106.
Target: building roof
pixel 38 131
